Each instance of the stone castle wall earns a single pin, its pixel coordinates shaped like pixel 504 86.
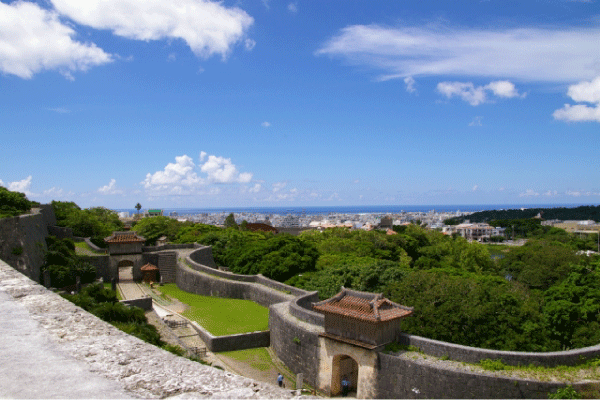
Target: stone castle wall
pixel 23 240
pixel 295 339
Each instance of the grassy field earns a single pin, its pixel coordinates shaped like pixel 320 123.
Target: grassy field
pixel 83 248
pixel 257 358
pixel 221 316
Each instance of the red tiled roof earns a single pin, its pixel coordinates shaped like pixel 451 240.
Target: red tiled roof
pixel 149 267
pixel 124 237
pixel 364 306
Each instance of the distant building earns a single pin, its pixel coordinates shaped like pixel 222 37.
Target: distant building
pixel 153 213
pixel 479 232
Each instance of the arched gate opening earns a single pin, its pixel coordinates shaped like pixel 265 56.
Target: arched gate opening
pixel 344 367
pixel 125 268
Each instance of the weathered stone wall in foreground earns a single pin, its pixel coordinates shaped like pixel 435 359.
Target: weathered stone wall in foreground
pixel 141 369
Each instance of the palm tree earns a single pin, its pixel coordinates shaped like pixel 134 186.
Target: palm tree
pixel 138 207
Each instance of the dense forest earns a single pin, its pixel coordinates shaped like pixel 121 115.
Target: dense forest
pixel 561 213
pixel 542 296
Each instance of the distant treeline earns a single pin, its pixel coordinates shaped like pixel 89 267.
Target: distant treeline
pixel 562 213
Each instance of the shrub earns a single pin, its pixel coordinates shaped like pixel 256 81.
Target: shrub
pixel 17 251
pixel 492 365
pixel 566 392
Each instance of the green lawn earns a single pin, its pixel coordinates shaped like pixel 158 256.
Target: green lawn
pixel 221 316
pixel 258 358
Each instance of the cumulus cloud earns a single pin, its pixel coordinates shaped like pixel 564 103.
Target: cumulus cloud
pixel 256 188
pixel 551 193
pixel 222 170
pixel 207 27
pixel 175 178
pixel 265 124
pixel 33 39
pixel 465 90
pixel 22 186
pixel 503 89
pixel 583 92
pixel 111 188
pixel 529 54
pixel 529 193
pixel 410 84
pixel 475 95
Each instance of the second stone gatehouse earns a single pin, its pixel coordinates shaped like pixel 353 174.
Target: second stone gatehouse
pixel 357 326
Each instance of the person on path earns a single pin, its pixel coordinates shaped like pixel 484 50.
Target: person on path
pixel 280 380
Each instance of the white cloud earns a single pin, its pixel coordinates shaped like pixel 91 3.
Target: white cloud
pixel 465 90
pixel 207 27
pixel 529 193
pixel 551 193
pixel 266 4
pixel 476 121
pixel 249 44
pixel 256 188
pixel 22 186
pixel 277 186
pixel 578 113
pixel 33 39
pixel 588 92
pixel 222 170
pixel 172 57
pixel 265 124
pixel 1 183
pixel 111 188
pixel 529 54
pixel 292 7
pixel 503 89
pixel 477 95
pixel 174 178
pixel 203 155
pixel 475 188
pixel 410 84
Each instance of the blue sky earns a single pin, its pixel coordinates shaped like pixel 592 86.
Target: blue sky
pixel 191 103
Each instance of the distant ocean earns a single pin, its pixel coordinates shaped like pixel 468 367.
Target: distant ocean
pixel 353 209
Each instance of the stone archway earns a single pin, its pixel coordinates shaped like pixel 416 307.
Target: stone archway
pixel 343 366
pixel 125 268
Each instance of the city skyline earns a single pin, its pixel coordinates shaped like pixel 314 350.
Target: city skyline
pixel 261 103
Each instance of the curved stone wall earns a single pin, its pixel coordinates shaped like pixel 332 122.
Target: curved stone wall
pixel 475 355
pixel 199 279
pixel 295 332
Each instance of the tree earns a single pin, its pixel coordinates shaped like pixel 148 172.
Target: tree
pixel 230 221
pixel 138 207
pixel 12 203
pixel 155 227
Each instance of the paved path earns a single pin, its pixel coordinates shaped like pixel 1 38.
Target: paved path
pixel 29 362
pixel 131 290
